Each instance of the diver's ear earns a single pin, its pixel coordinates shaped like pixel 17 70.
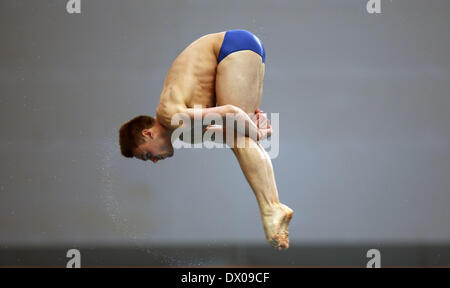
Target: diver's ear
pixel 148 133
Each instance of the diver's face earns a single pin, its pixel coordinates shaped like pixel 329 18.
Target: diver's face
pixel 155 148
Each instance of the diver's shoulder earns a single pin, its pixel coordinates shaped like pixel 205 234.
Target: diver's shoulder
pixel 172 100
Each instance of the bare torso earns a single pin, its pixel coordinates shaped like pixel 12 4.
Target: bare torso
pixel 192 76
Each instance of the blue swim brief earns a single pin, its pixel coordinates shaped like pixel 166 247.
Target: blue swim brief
pixel 237 40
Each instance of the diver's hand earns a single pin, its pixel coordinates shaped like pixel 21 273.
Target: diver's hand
pixel 262 122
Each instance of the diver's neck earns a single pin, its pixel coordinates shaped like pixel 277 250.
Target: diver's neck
pixel 160 129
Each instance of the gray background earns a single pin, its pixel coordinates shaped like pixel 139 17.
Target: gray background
pixel 364 108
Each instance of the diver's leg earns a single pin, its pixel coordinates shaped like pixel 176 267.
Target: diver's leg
pixel 239 82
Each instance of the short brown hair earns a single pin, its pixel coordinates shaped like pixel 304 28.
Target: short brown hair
pixel 130 134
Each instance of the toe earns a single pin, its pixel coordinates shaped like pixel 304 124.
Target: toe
pixel 273 242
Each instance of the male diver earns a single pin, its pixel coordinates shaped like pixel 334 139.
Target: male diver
pixel 223 73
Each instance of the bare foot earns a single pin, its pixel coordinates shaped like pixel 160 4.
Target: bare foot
pixel 276 225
